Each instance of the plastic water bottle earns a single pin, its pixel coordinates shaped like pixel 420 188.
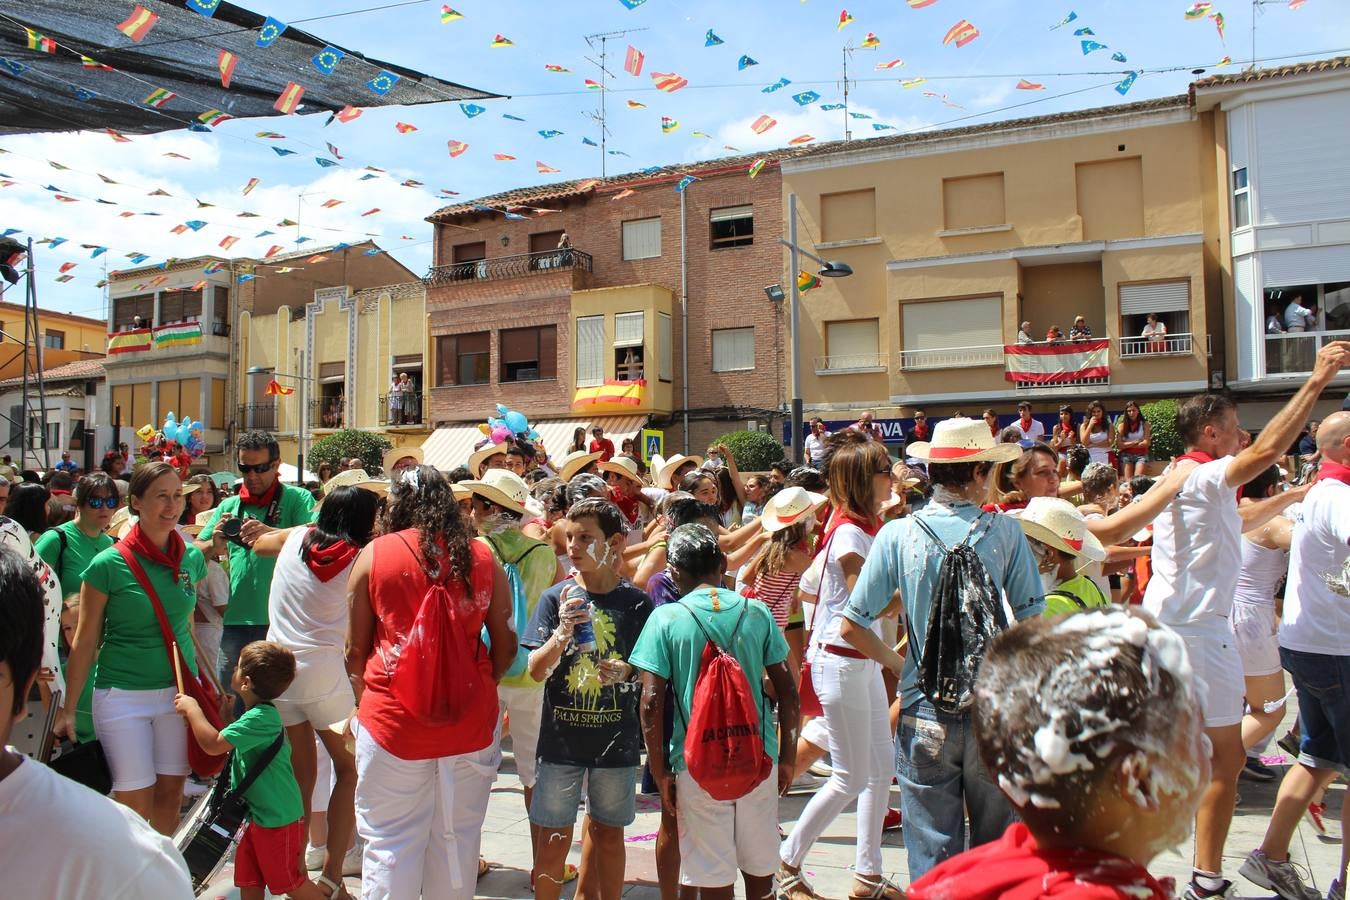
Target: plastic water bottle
pixel 583 634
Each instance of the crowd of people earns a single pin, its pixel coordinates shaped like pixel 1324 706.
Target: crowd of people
pixel 1061 660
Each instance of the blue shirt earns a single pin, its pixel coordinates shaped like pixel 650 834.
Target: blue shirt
pixel 903 557
pixel 67 465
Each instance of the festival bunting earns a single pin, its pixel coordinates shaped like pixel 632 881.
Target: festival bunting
pixel 920 4
pixel 668 125
pixel 252 183
pixel 204 7
pixel 1064 21
pixel 871 42
pixel 806 282
pixel 329 204
pixel 626 192
pixel 404 127
pixel 551 67
pixel 844 19
pixel 326 60
pixel 183 334
pixel 801 139
pixel 1082 31
pixel 289 99
pixel 449 15
pixel 593 85
pixel 1198 10
pixel 64 278
pixel 271 30
pixel 457 148
pixel 1025 85
pixel 632 4
pixel 40 42
pixel 117 136
pixel 1217 18
pixel 382 83
pixel 273 251
pixel 89 63
pixel 213 117
pixel 744 63
pixel 1091 47
pixel 757 166
pixel 632 63
pixel 776 86
pixel 503 157
pixel 228 241
pixel 549 133
pixel 1117 56
pixel 712 40
pixel 633 104
pixel 1124 87
pixel 472 109
pixel 763 124
pixel 545 168
pixel 893 64
pixel 130 341
pixel 806 98
pixel 66 267
pixel 158 97
pixel 498 42
pixel 912 82
pixel 669 81
pixel 274 387
pixel 138 24
pixel 961 33
pixel 683 183
pixel 370 212
pixel 347 113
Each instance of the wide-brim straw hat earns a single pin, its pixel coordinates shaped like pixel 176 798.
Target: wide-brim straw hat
pixel 1058 523
pixel 790 506
pixel 483 455
pixel 392 456
pixel 502 487
pixel 667 468
pixel 962 441
pixel 622 465
pixel 119 518
pixel 357 478
pixel 199 522
pixel 574 462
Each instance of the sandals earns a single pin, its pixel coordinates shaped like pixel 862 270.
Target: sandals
pixel 882 888
pixel 570 873
pixel 483 867
pixel 336 889
pixel 792 885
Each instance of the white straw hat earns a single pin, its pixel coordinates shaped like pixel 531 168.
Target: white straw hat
pixel 624 466
pixel 357 478
pixel 665 468
pixel 574 462
pixel 394 455
pixel 481 456
pixel 962 441
pixel 502 487
pixel 1058 523
pixel 788 507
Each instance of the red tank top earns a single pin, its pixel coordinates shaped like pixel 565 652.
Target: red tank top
pixel 397 585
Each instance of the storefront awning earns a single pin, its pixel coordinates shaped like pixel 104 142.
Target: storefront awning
pixel 452 445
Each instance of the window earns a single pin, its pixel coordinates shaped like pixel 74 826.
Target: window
pixel 132 403
pixel 470 252
pixel 179 306
pixel 642 238
pixel 463 358
pixel 628 329
pixel 663 347
pixel 590 352
pixel 220 313
pixel 217 417
pixel 544 252
pixel 36 435
pixel 628 346
pixel 1111 198
pixel 848 215
pixel 76 431
pixel 54 340
pixel 852 344
pixel 126 309
pixel 1169 300
pixel 731 226
pixel 529 354
pixel 940 334
pixel 733 349
pixel 1242 200
pixel 973 201
pixel 329 410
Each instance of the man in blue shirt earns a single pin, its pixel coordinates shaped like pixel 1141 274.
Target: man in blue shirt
pixel 939 767
pixel 66 464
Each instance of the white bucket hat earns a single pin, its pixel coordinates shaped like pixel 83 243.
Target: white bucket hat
pixel 624 466
pixel 665 468
pixel 574 462
pixel 962 441
pixel 788 507
pixel 397 453
pixel 502 487
pixel 1058 523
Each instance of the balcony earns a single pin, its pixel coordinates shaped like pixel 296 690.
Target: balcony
pixel 1072 386
pixel 518 266
pixel 851 364
pixel 1295 353
pixel 1173 344
pixel 257 417
pixel 328 412
pixel 952 357
pixel 409 411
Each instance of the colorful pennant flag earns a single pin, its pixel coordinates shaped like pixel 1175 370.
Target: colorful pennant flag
pixel 449 15
pixel 1024 85
pixel 763 124
pixel 404 127
pixel 805 98
pixel 549 133
pixel 228 241
pixel 961 33
pixel 844 19
pixel 744 63
pixel 370 212
pixel 712 40
pixel 633 104
pixel 213 117
pixel 225 62
pixel 512 118
pixel 326 60
pixel 776 86
pixel 472 109
pixel 1091 47
pixel 252 183
pixel 1082 31
pixel 1217 17
pixel 593 85
pixel 94 64
pixel 117 136
pixel 329 204
pixel 626 192
pixel 158 97
pixel 66 267
pixel 204 7
pixel 806 282
pixel 632 61
pixel 503 157
pixel 684 183
pixel 668 125
pixel 920 4
pixel 270 31
pixel 871 42
pixel 1198 10
pixel 545 168
pixel 827 107
pixel 40 42
pixel 1117 56
pixel 274 388
pixel 802 139
pixel 1064 21
pixel 289 99
pixel 382 83
pixel 1124 87
pixel 457 148
pixel 757 166
pixel 669 81
pixel 138 24
pixel 499 42
pixel 552 67
pixel 333 150
pixel 347 113
pixel 64 278
pixel 912 82
pixel 1227 60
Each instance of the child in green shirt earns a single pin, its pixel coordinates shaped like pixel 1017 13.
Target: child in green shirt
pixel 1060 539
pixel 270 851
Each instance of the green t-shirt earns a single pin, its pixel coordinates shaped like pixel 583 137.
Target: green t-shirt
pixel 274 798
pixel 537 568
pixel 80 551
pixel 251 575
pixel 672 644
pixel 132 656
pixel 1061 599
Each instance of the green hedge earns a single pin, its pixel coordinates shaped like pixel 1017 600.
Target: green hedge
pixel 1162 418
pixel 341 446
pixel 754 451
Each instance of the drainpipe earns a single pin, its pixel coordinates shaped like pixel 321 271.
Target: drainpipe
pixel 684 321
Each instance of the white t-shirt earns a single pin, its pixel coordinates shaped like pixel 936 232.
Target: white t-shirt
pixel 833 593
pixel 60 839
pixel 1197 550
pixel 1032 433
pixel 1315 619
pixel 814 447
pixel 306 613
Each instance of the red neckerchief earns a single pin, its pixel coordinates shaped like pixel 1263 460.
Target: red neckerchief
pixel 1014 868
pixel 328 562
pixel 1338 471
pixel 1004 507
pixel 264 500
pixel 139 544
pixel 871 527
pixel 921 430
pixel 1025 424
pixel 1066 430
pixel 1201 457
pixel 627 505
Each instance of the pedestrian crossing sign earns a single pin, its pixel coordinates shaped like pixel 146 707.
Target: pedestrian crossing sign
pixel 653 444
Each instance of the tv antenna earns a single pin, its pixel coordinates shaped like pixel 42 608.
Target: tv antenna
pixel 598 60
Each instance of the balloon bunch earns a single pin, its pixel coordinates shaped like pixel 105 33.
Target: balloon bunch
pixel 175 442
pixel 507 425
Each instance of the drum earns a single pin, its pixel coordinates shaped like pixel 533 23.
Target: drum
pixel 210 830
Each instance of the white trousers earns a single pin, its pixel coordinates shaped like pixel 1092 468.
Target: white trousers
pixel 862 754
pixel 422 821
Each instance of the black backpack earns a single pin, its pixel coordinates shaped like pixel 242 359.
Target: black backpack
pixel 966 614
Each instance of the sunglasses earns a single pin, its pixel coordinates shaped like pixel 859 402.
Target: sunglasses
pixel 258 469
pixel 102 502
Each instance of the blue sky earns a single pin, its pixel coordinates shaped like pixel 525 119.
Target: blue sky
pixel 793 39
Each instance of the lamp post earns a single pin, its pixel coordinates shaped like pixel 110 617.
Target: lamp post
pixel 828 269
pixel 302 413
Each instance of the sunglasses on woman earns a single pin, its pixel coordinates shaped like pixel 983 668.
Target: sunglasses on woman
pixel 102 502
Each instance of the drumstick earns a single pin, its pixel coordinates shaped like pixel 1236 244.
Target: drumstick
pixel 177 668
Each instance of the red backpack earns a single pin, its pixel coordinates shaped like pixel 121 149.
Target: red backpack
pixel 723 746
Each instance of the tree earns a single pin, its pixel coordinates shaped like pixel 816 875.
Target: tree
pixel 346 444
pixel 1162 419
pixel 754 451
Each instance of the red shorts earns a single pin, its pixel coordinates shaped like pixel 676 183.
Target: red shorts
pixel 270 857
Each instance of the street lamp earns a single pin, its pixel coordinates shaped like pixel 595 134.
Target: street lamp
pixel 828 269
pixel 302 412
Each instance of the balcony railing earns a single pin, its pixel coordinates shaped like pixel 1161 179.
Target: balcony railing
pixel 257 417
pixel 408 411
pixel 517 266
pixel 327 412
pixel 850 363
pixel 952 357
pixel 1074 386
pixel 1135 347
pixel 1294 353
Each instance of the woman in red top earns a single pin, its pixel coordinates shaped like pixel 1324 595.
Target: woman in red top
pixel 424 775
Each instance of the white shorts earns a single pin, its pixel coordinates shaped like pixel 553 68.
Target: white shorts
pixel 321 694
pixel 1218 671
pixel 526 708
pixel 142 735
pixel 709 829
pixel 816 734
pixel 1258 641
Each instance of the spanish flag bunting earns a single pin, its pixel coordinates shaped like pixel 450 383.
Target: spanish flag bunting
pixel 893 64
pixel 449 15
pixel 225 62
pixel 806 281
pixel 329 204
pixel 632 61
pixel 66 267
pixel 317 258
pixel 1024 85
pixel 1197 10
pixel 802 139
pixel 273 251
pixel 844 19
pixel 619 393
pixel 197 287
pixel 40 42
pixel 347 113
pixel 668 125
pixel 228 241
pixel 457 148
pixel 502 157
pixel 139 23
pixel 961 33
pixel 370 212
pixel 669 81
pixel 626 192
pixel 920 4
pixel 252 183
pixel 871 42
pixel 274 389
pixel 500 41
pixel 158 97
pixel 178 229
pixel 633 104
pixel 404 127
pixel 757 167
pixel 763 124
pixel 545 168
pixel 289 98
pixel 89 63
pixel 118 136
pixel 553 67
pixel 64 199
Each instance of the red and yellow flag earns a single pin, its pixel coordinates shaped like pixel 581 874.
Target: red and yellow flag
pixel 289 98
pixel 40 42
pixel 669 81
pixel 404 127
pixel 611 393
pixel 138 24
pixel 763 124
pixel 226 62
pixel 276 390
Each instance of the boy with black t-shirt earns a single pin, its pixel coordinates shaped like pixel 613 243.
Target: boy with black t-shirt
pixel 590 733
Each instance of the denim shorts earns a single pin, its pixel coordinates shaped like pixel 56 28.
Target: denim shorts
pixel 1323 684
pixel 611 795
pixel 1133 459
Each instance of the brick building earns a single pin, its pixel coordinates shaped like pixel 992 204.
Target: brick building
pixel 516 319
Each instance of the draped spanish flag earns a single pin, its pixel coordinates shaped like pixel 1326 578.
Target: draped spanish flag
pixel 129 341
pixel 276 390
pixel 611 393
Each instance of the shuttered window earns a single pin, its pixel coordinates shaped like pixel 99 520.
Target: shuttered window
pixel 943 324
pixel 529 354
pixel 642 238
pixel 462 358
pixel 590 353
pixel 628 329
pixel 733 349
pixel 852 345
pixel 1156 297
pixel 666 362
pixel 332 371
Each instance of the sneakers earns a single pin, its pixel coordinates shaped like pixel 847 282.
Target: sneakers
pixel 1280 877
pixel 806 783
pixel 195 787
pixel 821 768
pixel 1255 770
pixel 1316 816
pixel 1195 892
pixel 892 821
pixel 314 857
pixel 351 860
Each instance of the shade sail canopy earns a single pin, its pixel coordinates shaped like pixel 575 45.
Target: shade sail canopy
pixel 180 54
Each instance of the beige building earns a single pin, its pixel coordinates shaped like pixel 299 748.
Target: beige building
pixel 957 237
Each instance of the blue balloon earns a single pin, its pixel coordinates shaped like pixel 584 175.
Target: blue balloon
pixel 517 422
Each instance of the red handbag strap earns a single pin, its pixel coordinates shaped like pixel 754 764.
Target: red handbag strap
pixel 138 572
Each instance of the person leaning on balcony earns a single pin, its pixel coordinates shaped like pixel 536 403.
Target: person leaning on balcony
pixel 1024 334
pixel 1081 330
pixel 396 401
pixel 1274 320
pixel 1156 332
pixel 1054 334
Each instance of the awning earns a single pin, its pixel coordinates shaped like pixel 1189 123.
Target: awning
pixel 452 445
